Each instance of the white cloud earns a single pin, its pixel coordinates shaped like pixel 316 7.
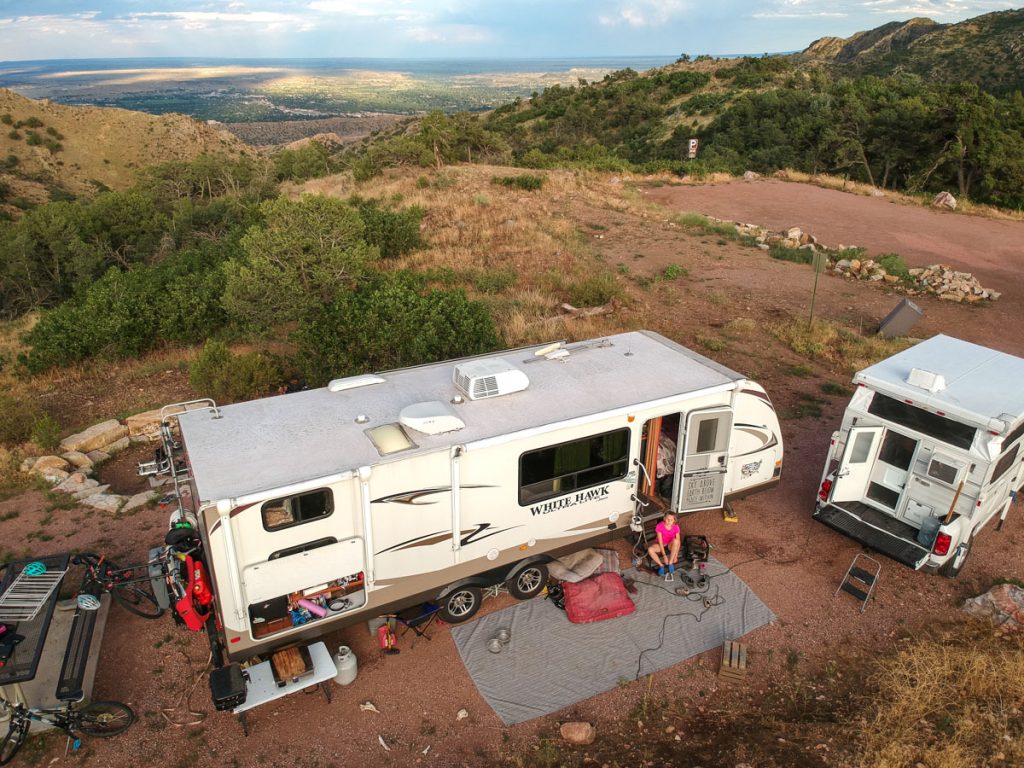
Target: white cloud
pixel 450 33
pixel 393 10
pixel 935 9
pixel 644 13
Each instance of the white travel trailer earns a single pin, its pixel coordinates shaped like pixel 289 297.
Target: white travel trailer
pixel 379 492
pixel 929 452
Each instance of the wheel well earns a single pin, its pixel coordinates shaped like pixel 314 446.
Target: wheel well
pixel 495 575
pixel 520 564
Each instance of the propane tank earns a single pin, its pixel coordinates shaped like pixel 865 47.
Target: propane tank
pixel 345 660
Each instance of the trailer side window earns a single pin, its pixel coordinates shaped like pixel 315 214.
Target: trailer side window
pixel 295 510
pixel 1005 463
pixel 920 420
pixel 1014 436
pixel 560 469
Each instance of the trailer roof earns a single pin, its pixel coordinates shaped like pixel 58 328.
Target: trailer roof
pixel 277 441
pixel 982 384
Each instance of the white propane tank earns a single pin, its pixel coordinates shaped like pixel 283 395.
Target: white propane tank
pixel 346 663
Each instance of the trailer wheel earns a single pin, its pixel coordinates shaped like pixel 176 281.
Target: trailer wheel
pixel 460 604
pixel 951 571
pixel 528 581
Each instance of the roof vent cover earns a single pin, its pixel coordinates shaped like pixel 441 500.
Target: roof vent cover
pixel 932 382
pixel 432 418
pixel 481 379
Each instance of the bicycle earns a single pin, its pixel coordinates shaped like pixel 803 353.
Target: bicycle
pixel 101 718
pixel 132 590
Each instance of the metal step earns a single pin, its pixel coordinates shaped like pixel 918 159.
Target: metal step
pixel 899 549
pixel 76 656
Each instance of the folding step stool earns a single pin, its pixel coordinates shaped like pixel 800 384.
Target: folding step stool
pixel 861 579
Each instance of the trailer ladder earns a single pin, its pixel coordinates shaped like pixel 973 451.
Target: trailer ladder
pixel 27 594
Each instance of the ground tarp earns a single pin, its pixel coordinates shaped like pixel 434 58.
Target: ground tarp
pixel 551 663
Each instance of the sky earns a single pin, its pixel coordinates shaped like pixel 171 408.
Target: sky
pixel 64 29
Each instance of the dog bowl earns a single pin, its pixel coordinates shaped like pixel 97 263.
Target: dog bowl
pixel 494 645
pixel 504 636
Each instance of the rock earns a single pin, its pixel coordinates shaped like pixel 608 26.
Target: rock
pixel 90 488
pixel 751 175
pixel 944 200
pixel 794 233
pixel 876 192
pixel 843 265
pixel 808 239
pixel 104 502
pixel 146 424
pixel 1003 605
pixel 118 445
pixel 139 500
pixel 95 437
pixel 44 463
pixel 26 465
pixel 578 733
pixel 855 265
pixel 53 475
pixel 98 457
pixel 77 458
pixel 891 278
pixel 615 180
pixel 764 246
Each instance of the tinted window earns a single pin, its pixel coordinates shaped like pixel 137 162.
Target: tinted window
pixel 294 510
pixel 560 469
pixel 1005 463
pixel 919 420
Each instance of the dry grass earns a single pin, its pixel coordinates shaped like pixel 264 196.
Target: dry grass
pixel 950 702
pixel 829 342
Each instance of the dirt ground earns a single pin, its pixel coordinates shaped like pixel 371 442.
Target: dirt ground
pixel 793 563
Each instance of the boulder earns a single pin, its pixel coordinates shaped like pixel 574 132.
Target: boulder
pixel 139 500
pixel 146 423
pixel 1003 605
pixel 876 192
pixel 750 176
pixel 794 233
pixel 53 475
pixel 578 733
pixel 944 200
pixel 118 445
pixel 104 502
pixel 98 457
pixel 44 463
pixel 89 488
pixel 77 459
pixel 95 437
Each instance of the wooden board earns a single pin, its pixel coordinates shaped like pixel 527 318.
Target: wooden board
pixel 291 664
pixel 734 661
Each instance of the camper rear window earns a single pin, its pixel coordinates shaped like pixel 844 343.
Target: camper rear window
pixel 1005 463
pixel 912 417
pixel 295 510
pixel 560 469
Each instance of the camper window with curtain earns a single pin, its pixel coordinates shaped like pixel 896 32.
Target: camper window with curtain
pixel 560 469
pixel 294 510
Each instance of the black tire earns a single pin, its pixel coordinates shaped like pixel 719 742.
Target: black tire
pixel 105 718
pixel 11 743
pixel 528 581
pixel 461 604
pixel 949 570
pixel 138 599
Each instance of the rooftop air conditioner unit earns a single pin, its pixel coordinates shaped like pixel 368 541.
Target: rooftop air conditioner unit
pixel 480 379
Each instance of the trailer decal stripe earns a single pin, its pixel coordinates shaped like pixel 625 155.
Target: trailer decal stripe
pixel 758 431
pixel 413 497
pixel 760 395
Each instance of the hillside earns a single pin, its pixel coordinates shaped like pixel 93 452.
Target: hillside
pixel 81 149
pixel 986 50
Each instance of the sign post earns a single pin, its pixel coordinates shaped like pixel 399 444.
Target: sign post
pixel 818 262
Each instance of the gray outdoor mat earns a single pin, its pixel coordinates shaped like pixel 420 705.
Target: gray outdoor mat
pixel 551 663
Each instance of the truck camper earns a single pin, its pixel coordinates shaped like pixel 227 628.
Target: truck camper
pixel 929 452
pixel 324 508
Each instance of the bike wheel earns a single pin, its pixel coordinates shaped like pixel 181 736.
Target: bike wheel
pixel 11 743
pixel 105 718
pixel 138 599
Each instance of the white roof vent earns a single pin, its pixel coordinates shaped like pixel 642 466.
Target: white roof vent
pixel 480 379
pixel 354 382
pixel 432 418
pixel 932 382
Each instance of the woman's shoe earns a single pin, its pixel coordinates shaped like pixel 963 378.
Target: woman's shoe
pixel 661 570
pixel 671 568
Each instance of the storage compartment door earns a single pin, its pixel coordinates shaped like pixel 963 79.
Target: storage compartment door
pixel 704 460
pixel 858 459
pixel 295 573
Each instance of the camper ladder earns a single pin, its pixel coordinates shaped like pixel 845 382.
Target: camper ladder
pixel 861 579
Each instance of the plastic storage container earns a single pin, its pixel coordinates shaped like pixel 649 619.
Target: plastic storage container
pixel 345 660
pixel 929 530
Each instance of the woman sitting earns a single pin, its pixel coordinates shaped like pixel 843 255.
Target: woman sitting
pixel 665 551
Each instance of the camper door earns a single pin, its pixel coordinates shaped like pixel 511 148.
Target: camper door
pixel 858 459
pixel 704 460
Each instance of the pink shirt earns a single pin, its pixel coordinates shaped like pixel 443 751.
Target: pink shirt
pixel 667 534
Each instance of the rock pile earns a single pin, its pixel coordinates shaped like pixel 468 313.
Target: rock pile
pixel 70 472
pixel 951 285
pixel 1003 605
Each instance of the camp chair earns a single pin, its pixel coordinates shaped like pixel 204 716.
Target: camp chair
pixel 418 619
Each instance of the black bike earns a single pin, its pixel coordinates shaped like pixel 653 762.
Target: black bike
pixel 131 586
pixel 101 718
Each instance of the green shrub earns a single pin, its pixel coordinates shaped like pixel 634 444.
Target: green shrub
pixel 674 271
pixel 796 255
pixel 34 122
pixel 6 119
pixel 11 162
pixel 14 135
pixel 594 291
pixel 394 232
pixel 55 133
pixel 524 181
pixel 17 417
pixel 495 280
pixel 228 378
pixel 33 139
pixel 391 321
pixel 893 264
pixel 46 432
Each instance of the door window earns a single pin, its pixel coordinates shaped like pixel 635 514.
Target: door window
pixel 861 448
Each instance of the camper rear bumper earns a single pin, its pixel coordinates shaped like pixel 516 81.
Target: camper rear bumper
pixel 899 548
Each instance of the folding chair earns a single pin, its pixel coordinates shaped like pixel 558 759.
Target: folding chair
pixel 418 619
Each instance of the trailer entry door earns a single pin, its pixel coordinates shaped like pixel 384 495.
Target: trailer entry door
pixel 704 460
pixel 858 459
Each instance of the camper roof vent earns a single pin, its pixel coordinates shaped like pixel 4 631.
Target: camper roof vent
pixel 932 382
pixel 480 379
pixel 432 418
pixel 354 382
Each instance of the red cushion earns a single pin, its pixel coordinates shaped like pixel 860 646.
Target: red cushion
pixel 598 598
